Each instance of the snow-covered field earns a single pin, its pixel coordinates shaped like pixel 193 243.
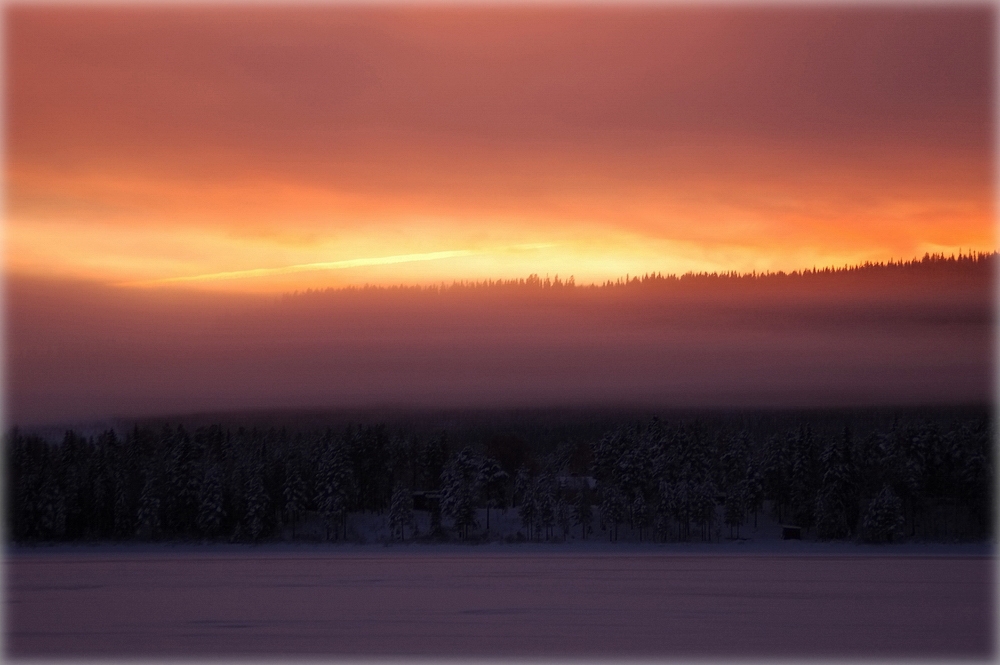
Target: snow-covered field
pixel 594 600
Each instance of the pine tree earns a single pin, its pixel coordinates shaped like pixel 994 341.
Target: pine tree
pixel 564 516
pixel 545 502
pixel 612 510
pixel 527 510
pixel 736 505
pixel 128 485
pixel 400 463
pixel 883 517
pixel 703 506
pixel 148 518
pixel 665 510
pixel 52 509
pixel 754 493
pixel 492 479
pixel 583 515
pixel 401 511
pixel 640 513
pixel 460 485
pixel 257 506
pixel 333 486
pixel 803 479
pixel 832 501
pixel 295 495
pixel 182 482
pixel 431 462
pixel 210 508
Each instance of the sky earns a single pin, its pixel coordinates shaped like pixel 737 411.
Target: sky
pixel 268 149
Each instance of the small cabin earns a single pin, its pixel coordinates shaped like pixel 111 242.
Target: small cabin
pixel 791 532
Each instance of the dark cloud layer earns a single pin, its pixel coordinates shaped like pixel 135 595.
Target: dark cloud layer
pixel 274 80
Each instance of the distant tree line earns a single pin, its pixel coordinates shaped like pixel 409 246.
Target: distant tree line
pixel 936 266
pixel 661 481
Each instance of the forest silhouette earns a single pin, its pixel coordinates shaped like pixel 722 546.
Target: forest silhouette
pixel 894 476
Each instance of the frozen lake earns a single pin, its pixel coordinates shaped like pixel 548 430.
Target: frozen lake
pixel 425 602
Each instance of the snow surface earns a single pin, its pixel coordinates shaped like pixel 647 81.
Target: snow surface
pixel 593 601
pixel 755 597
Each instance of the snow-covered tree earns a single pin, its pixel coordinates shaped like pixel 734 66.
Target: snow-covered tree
pixel 527 509
pixel 431 460
pixel 754 492
pixel 52 509
pixel 333 487
pixel 640 513
pixel 832 509
pixel 803 479
pixel 831 522
pixel 492 480
pixel 401 511
pixel 736 505
pixel 459 487
pixel 612 510
pixel 294 492
pixel 564 516
pixel 148 518
pixel 210 508
pixel 257 506
pixel 545 502
pixel 583 515
pixel 883 518
pixel 703 506
pixel 124 517
pixel 181 481
pixel 665 510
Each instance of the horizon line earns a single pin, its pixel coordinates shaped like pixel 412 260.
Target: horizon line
pixel 534 280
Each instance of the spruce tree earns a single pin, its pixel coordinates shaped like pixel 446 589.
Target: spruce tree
pixel 148 517
pixel 612 510
pixel 883 517
pixel 210 508
pixel 52 509
pixel 545 502
pixel 333 487
pixel 492 480
pixel 459 487
pixel 294 493
pixel 736 506
pixel 400 511
pixel 527 510
pixel 257 506
pixel 640 514
pixel 834 496
pixel 583 515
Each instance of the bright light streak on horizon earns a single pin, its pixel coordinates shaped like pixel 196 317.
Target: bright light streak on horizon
pixel 328 265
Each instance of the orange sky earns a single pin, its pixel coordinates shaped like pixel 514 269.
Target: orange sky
pixel 413 145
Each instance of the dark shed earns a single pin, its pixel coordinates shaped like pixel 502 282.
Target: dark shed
pixel 791 532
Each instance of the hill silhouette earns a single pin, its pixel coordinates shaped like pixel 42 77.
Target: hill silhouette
pixel 904 333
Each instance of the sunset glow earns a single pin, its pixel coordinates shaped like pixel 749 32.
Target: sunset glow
pixel 276 149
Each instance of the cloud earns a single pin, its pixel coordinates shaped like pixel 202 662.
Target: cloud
pixel 635 138
pixel 329 265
